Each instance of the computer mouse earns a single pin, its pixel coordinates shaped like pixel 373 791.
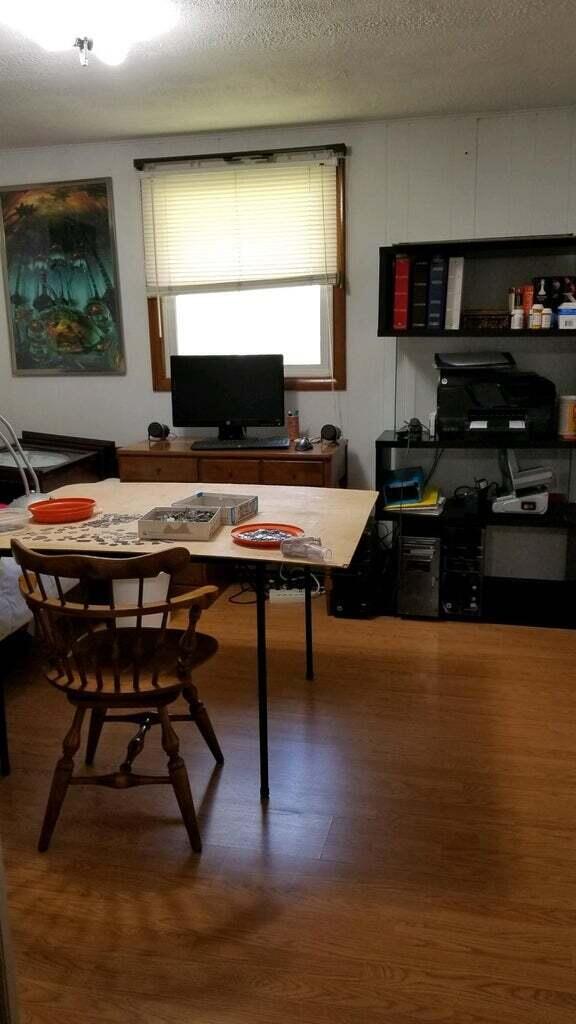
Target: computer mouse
pixel 303 444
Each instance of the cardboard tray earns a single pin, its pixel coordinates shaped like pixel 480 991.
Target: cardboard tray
pixel 235 507
pixel 169 523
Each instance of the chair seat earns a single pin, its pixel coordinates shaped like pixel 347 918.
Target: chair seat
pixel 106 659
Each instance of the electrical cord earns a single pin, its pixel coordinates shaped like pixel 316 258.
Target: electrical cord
pixel 246 588
pixel 437 456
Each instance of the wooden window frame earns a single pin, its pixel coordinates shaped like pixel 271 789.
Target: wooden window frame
pixel 337 382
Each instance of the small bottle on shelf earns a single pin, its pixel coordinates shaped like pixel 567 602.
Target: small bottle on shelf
pixel 527 300
pixel 535 321
pixel 293 424
pixel 547 317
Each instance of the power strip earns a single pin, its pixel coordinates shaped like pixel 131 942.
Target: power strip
pixel 288 595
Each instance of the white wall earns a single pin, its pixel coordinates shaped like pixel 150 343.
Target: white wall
pixel 450 177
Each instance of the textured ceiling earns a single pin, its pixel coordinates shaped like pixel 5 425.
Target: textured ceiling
pixel 239 63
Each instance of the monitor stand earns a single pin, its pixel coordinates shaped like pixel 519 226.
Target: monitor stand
pixel 229 432
pixel 229 435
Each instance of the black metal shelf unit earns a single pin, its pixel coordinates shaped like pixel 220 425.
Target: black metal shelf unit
pixel 390 439
pixel 527 252
pixel 532 602
pixel 559 516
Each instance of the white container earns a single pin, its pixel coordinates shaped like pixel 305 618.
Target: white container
pixel 546 318
pixel 567 316
pixel 517 319
pixel 535 320
pixel 567 416
pixel 179 523
pixel 12 519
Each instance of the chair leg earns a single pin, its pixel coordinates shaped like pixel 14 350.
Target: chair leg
pixel 199 715
pixel 61 780
pixel 179 779
pixel 4 755
pixel 95 728
pixel 136 745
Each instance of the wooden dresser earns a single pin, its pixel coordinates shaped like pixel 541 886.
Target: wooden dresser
pixel 176 461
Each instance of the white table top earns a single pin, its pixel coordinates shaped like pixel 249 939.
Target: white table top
pixel 337 516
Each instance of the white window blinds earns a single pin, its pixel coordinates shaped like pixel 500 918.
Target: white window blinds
pixel 240 226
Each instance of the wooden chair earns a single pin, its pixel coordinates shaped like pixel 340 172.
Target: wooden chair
pixel 104 656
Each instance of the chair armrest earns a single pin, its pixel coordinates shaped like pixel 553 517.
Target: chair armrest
pixel 201 597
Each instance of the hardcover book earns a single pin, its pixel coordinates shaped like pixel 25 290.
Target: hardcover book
pixel 437 292
pixel 454 293
pixel 401 293
pixel 419 307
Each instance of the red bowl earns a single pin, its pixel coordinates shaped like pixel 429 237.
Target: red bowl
pixel 62 510
pixel 242 534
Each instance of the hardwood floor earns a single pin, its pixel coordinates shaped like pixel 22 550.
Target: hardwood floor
pixel 416 863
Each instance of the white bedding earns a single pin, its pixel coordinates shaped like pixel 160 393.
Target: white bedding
pixel 13 610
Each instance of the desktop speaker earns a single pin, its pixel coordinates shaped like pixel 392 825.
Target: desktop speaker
pixel 158 431
pixel 330 433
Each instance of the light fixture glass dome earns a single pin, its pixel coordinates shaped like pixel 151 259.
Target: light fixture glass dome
pixel 113 25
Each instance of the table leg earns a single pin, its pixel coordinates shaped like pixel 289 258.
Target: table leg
pixel 308 622
pixel 262 677
pixel 4 758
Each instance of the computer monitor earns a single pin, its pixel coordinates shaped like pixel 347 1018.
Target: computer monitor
pixel 228 392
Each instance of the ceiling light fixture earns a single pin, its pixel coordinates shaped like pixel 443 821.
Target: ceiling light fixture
pixel 107 27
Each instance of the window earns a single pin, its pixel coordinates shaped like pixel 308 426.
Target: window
pixel 244 256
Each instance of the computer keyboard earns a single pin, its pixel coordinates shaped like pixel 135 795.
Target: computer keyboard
pixel 211 443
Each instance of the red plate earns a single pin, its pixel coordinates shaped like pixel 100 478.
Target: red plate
pixel 62 510
pixel 248 537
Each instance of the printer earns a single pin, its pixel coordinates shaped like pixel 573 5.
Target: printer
pixel 483 394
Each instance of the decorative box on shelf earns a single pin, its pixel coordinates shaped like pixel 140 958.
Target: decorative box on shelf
pixel 180 523
pixel 234 507
pixel 485 320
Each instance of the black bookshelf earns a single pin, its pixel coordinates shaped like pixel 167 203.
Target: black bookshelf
pixel 561 516
pixel 515 600
pixel 391 439
pixel 420 332
pixel 531 249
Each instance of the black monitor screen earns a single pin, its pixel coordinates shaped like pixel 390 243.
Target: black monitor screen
pixel 208 391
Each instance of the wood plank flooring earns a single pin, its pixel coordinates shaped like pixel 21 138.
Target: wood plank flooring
pixel 416 863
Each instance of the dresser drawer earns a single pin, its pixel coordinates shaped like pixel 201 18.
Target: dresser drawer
pixel 229 471
pixel 154 467
pixel 286 472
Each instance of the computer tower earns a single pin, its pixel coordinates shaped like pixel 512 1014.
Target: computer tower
pixel 419 577
pixel 354 593
pixel 462 576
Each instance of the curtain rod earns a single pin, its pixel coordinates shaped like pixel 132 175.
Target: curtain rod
pixel 339 148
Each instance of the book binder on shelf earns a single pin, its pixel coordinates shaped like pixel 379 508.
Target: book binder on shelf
pixel 437 292
pixel 420 293
pixel 401 293
pixel 454 293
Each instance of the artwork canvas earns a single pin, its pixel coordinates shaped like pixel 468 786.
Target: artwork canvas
pixel 61 279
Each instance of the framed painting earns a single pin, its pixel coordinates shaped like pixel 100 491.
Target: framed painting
pixel 60 278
